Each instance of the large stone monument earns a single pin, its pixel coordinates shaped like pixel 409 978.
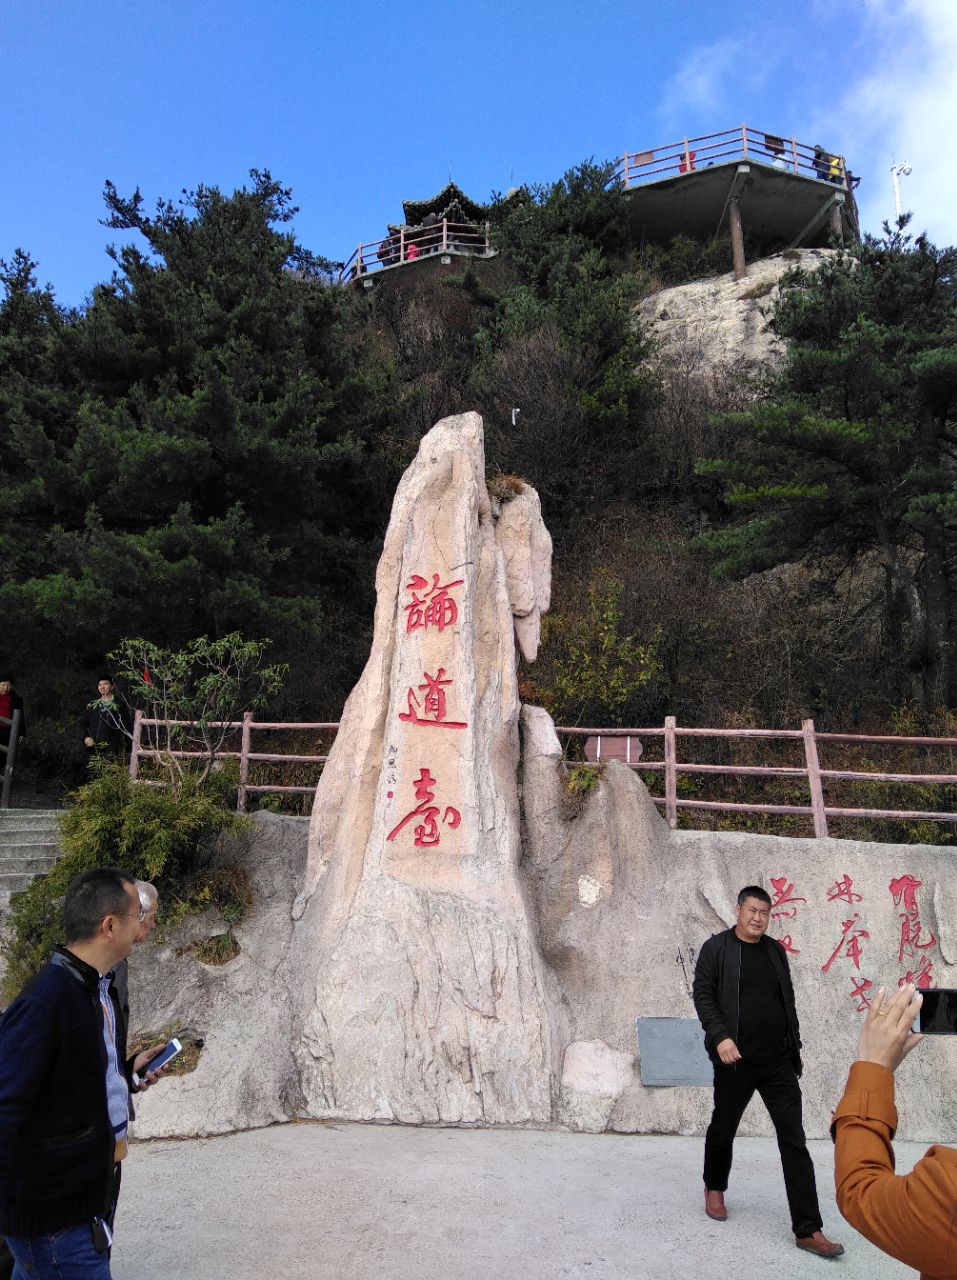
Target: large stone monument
pixel 453 948
pixel 430 1001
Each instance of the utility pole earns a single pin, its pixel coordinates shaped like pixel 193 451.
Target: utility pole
pixel 897 172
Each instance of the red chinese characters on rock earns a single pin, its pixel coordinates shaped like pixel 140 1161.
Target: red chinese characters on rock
pixel 851 941
pixel 843 891
pixel 427 831
pixel 431 606
pixel 787 942
pixel 430 711
pixel 913 942
pixel 784 897
pixel 859 990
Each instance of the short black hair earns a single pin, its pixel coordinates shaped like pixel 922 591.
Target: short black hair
pixel 753 891
pixel 92 895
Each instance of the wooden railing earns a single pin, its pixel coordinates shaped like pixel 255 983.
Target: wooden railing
pixel 743 143
pixel 409 244
pixel 626 745
pixel 245 755
pixel 630 752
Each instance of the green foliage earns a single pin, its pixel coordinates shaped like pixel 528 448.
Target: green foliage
pixel 853 454
pixel 189 454
pixel 149 832
pixel 218 949
pixel 587 670
pixel 579 783
pixel 208 683
pixel 681 260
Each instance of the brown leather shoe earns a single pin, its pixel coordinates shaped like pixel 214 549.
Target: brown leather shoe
pixel 714 1205
pixel 819 1244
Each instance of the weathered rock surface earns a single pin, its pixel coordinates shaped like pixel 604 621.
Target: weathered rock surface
pixel 430 1002
pixel 628 950
pixel 452 948
pixel 720 320
pixel 242 1010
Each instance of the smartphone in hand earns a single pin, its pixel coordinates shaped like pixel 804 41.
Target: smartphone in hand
pixel 165 1055
pixel 938 1013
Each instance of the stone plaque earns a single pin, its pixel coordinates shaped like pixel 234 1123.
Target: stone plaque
pixel 671 1052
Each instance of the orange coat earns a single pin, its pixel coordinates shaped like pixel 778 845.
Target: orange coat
pixel 912 1217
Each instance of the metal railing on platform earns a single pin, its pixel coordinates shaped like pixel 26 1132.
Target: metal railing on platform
pixel 743 143
pixel 408 244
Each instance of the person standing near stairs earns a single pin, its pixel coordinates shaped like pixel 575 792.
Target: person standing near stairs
pixel 103 724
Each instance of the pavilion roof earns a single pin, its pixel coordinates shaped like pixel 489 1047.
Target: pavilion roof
pixel 451 202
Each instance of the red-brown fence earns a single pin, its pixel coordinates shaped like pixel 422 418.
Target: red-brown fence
pixel 742 143
pixel 627 745
pixel 245 755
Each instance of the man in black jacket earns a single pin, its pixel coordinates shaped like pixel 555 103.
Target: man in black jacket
pixel 103 723
pixel 745 1001
pixel 64 1089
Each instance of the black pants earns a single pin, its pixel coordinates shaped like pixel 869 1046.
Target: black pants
pixel 780 1092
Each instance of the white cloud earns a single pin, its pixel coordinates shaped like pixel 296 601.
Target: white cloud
pixel 902 105
pixel 701 83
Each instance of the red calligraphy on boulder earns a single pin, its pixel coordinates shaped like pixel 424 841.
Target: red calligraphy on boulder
pixel 427 832
pixel 843 891
pixel 859 990
pixel 784 896
pixel 913 942
pixel 431 606
pixel 432 706
pixel 850 941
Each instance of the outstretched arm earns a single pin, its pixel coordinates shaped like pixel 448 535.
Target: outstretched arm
pixel 911 1217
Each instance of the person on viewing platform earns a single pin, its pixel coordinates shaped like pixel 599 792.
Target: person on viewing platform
pixel 745 1001
pixel 103 723
pixel 911 1216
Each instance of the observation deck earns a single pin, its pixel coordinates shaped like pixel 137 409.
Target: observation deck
pixel 767 189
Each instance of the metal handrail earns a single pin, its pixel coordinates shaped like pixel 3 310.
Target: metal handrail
pixel 670 766
pixel 9 751
pixel 409 244
pixel 818 809
pixel 743 143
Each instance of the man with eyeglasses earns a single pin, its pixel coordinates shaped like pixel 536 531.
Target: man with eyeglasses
pixel 64 1089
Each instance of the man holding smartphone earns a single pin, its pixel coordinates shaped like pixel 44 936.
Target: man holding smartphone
pixel 745 1001
pixel 64 1089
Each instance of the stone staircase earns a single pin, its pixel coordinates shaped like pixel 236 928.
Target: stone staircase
pixel 28 848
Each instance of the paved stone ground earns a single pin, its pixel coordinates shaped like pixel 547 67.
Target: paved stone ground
pixel 369 1202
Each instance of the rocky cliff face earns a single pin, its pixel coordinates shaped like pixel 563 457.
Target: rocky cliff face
pixel 451 948
pixel 721 321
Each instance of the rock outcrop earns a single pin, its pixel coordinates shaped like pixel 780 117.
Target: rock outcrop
pixel 430 1002
pixel 452 948
pixel 721 321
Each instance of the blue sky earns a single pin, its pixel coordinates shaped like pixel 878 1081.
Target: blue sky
pixel 358 105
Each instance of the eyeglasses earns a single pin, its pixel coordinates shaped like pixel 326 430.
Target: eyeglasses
pixel 140 915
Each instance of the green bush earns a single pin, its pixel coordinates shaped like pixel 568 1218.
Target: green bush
pixel 147 831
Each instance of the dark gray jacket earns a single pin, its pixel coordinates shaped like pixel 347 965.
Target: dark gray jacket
pixel 717 978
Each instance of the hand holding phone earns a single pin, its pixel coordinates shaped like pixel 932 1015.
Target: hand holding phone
pixel 887 1034
pixel 156 1063
pixel 938 1013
